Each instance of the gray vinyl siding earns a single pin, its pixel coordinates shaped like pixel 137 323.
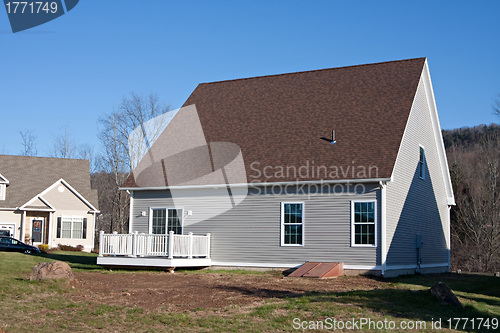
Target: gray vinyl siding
pixel 416 206
pixel 249 233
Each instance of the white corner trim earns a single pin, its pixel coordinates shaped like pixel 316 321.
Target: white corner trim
pixel 131 209
pixel 383 225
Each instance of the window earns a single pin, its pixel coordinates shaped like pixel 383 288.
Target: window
pixel 421 163
pixel 72 227
pixel 292 223
pixel 164 220
pixel 363 228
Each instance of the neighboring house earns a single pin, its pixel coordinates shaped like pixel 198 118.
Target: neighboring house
pixel 376 197
pixel 47 201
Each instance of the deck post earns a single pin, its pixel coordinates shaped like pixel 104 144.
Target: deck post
pixel 171 244
pixel 115 243
pixel 208 245
pixel 134 244
pixel 190 250
pixel 101 242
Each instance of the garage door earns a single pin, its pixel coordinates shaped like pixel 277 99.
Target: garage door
pixel 7 230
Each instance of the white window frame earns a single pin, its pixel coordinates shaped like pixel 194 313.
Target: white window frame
pixel 421 164
pixel 150 219
pixel 72 217
pixel 2 191
pixel 282 222
pixel 353 229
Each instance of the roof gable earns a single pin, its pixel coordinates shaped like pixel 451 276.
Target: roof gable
pixel 31 176
pixel 279 121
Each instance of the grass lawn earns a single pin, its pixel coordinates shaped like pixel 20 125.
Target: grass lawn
pixel 52 306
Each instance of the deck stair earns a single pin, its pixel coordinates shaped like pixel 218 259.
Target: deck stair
pixel 319 270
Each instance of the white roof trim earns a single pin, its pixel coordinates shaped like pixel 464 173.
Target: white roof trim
pixel 337 181
pixel 65 183
pixel 439 137
pixel 4 180
pixel 437 133
pixel 42 199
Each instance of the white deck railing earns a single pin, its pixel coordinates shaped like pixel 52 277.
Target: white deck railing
pixel 149 245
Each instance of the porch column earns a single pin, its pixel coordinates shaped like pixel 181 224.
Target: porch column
pixel 49 227
pixel 23 226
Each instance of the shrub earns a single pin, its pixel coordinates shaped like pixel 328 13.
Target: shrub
pixel 43 247
pixel 78 248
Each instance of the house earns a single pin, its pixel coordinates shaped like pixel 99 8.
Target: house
pixel 334 165
pixel 47 201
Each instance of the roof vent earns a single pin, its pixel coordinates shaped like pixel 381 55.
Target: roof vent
pixel 332 141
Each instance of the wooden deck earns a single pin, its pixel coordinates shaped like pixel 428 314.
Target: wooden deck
pixel 152 250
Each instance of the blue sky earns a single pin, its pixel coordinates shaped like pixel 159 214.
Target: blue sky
pixel 70 71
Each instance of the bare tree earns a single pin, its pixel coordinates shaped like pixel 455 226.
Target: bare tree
pixel 63 145
pixel 476 228
pixel 28 142
pixel 120 155
pixel 86 152
pixel 496 106
pixel 3 150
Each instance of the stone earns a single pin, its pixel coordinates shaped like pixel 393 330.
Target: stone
pixel 51 270
pixel 445 294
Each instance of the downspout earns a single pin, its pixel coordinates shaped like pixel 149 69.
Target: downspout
pixel 383 225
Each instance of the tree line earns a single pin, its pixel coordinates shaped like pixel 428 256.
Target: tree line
pixel 474 163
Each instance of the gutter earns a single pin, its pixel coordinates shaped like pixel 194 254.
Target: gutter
pixel 214 186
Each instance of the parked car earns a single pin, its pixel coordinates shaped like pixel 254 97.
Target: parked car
pixel 13 245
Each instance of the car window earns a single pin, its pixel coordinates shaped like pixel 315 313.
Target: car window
pixel 8 241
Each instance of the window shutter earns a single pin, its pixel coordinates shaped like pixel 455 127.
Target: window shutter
pixel 84 228
pixel 58 227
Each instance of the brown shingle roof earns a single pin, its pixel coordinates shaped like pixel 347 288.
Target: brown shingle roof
pixel 278 120
pixel 29 176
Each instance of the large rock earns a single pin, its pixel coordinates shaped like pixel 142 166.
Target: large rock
pixel 51 270
pixel 445 294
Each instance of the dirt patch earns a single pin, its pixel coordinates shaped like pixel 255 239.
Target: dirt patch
pixel 193 292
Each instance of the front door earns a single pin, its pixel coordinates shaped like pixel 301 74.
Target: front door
pixel 37 231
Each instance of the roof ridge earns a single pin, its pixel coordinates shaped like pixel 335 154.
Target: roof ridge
pixel 43 157
pixel 314 70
